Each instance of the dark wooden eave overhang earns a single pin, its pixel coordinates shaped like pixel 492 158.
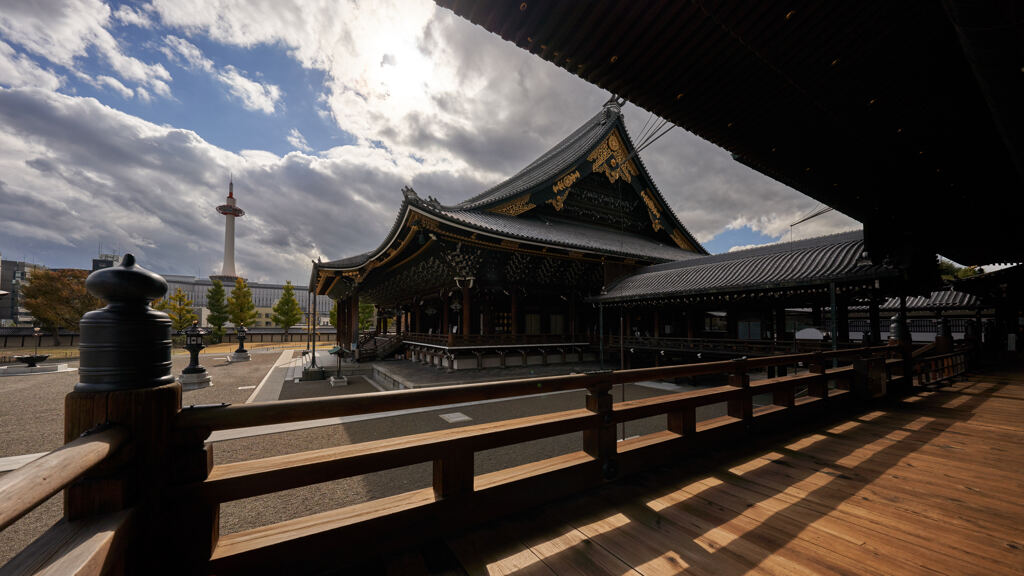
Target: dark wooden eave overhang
pixel 567 240
pixel 903 115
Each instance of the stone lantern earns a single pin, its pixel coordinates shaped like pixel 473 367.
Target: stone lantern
pixel 241 354
pixel 194 376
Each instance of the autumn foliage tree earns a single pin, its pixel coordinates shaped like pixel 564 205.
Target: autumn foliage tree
pixel 58 299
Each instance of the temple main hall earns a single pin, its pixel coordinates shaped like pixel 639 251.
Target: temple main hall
pixel 571 255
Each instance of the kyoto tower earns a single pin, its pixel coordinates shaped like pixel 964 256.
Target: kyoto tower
pixel 230 211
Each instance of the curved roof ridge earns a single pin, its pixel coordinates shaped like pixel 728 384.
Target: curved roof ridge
pixel 766 249
pixel 549 164
pixel 657 191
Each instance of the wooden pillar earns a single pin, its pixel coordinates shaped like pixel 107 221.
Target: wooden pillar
pixel 125 380
pixel 444 317
pixel 599 442
pixel 874 320
pixel 353 320
pixel 467 317
pixel 741 405
pixel 513 300
pixel 691 323
pixel 571 334
pixel 843 319
pixel 418 325
pixel 338 321
pixel 657 327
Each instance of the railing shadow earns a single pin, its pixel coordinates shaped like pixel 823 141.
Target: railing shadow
pixel 702 518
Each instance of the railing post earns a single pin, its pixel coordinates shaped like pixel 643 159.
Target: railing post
pixel 819 387
pixel 599 442
pixel 453 473
pixel 125 379
pixel 869 381
pixel 741 405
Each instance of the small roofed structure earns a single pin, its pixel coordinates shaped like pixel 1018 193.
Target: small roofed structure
pixel 750 294
pixel 783 270
pixel 1003 290
pixel 509 265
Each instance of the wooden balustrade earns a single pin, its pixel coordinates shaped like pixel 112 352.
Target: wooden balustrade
pixel 246 415
pixel 92 546
pixel 457 496
pixel 722 345
pixel 32 484
pixel 485 340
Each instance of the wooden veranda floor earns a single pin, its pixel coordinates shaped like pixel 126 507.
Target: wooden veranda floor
pixel 931 484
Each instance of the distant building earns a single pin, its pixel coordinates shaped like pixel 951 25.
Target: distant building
pixel 105 261
pixel 13 274
pixel 264 296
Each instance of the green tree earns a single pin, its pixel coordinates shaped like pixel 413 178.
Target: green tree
pixel 366 316
pixel 287 312
pixel 179 308
pixel 218 309
pixel 241 310
pixel 334 314
pixel 58 298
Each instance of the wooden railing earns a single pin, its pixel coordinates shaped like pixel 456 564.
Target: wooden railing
pixel 723 345
pixel 456 495
pixel 484 340
pixel 70 547
pixel 193 487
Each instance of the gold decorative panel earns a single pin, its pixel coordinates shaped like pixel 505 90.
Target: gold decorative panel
pixel 680 240
pixel 561 189
pixel 515 207
pixel 611 159
pixel 652 208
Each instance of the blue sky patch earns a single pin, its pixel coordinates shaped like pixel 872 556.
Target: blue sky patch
pixel 743 236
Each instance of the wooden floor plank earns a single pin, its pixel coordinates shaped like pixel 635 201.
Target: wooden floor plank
pixel 927 485
pixel 495 551
pixel 566 550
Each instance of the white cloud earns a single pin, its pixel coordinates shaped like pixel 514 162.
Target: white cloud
pixel 63 31
pixel 18 70
pixel 405 74
pixel 258 96
pixel 177 49
pixel 153 189
pixel 254 95
pixel 298 141
pixel 116 84
pixel 132 16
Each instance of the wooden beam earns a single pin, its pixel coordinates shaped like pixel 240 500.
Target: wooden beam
pixel 81 548
pixel 32 484
pixel 238 480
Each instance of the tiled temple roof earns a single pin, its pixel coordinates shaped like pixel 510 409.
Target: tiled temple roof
pixel 813 261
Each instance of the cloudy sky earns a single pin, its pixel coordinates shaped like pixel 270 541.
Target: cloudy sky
pixel 121 123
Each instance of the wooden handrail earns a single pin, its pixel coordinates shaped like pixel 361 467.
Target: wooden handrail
pixel 32 484
pixel 456 488
pixel 923 350
pixel 82 548
pixel 260 414
pixel 239 480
